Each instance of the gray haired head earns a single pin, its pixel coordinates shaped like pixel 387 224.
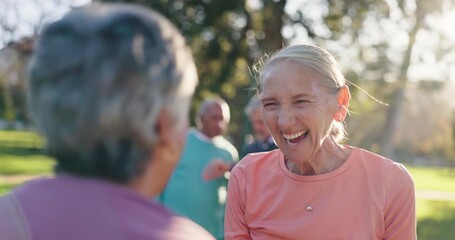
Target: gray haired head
pixel 209 102
pixel 254 106
pixel 317 59
pixel 98 80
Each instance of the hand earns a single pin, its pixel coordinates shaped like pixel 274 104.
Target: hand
pixel 215 169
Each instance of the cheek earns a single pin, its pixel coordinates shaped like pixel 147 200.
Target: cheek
pixel 324 121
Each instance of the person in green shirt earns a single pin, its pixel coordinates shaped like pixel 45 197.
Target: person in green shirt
pixel 197 187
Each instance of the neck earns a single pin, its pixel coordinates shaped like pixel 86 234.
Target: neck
pixel 150 183
pixel 330 157
pixel 156 172
pixel 204 136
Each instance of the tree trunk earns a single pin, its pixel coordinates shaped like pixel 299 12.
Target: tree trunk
pixel 393 114
pixel 273 14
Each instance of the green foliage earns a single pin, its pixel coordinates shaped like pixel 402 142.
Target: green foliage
pixel 14 59
pixel 226 37
pixel 8 108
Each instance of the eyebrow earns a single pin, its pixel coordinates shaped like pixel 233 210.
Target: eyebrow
pixel 268 99
pixel 301 95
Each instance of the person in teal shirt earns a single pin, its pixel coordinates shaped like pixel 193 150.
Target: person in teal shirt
pixel 198 185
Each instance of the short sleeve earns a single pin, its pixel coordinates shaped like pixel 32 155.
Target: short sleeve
pixel 400 209
pixel 235 224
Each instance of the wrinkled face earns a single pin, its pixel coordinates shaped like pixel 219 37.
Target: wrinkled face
pixel 297 109
pixel 260 129
pixel 214 122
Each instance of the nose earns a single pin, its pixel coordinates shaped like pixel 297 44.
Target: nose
pixel 286 119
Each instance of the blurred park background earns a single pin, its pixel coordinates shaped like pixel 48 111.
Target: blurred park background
pixel 399 56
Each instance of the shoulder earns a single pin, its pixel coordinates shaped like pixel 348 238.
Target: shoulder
pixel 393 172
pixel 223 143
pixel 258 161
pixel 372 158
pixel 192 134
pixel 255 169
pixel 375 158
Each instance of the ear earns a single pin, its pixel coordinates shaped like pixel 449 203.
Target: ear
pixel 168 145
pixel 343 97
pixel 165 154
pixel 163 129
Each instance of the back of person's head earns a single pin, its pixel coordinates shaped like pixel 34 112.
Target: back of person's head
pixel 318 60
pixel 98 80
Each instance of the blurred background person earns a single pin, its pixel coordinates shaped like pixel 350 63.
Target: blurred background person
pixel 197 185
pixel 110 87
pixel 262 140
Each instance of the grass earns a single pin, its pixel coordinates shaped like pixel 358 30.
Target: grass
pixel 20 139
pixel 31 165
pixel 436 179
pixel 435 219
pixel 6 187
pixel 21 154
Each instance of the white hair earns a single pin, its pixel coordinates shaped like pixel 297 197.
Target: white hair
pixel 98 80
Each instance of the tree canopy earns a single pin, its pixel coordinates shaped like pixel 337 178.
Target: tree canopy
pixel 383 46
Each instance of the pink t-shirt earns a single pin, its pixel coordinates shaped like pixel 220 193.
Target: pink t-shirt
pixel 368 197
pixel 68 207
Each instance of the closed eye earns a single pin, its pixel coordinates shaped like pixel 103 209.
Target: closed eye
pixel 269 105
pixel 302 102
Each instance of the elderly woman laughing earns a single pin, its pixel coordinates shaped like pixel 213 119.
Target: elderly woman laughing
pixel 313 187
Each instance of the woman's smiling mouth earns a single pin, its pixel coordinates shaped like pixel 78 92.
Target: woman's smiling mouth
pixel 295 138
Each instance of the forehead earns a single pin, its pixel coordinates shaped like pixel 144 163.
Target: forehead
pixel 290 78
pixel 213 108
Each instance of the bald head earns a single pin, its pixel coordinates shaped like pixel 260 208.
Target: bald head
pixel 213 117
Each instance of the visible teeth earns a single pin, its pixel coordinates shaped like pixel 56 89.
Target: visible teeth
pixel 293 135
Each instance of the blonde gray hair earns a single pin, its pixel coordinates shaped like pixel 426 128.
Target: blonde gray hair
pixel 317 59
pixel 98 80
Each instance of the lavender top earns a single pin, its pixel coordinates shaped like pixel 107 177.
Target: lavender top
pixel 68 207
